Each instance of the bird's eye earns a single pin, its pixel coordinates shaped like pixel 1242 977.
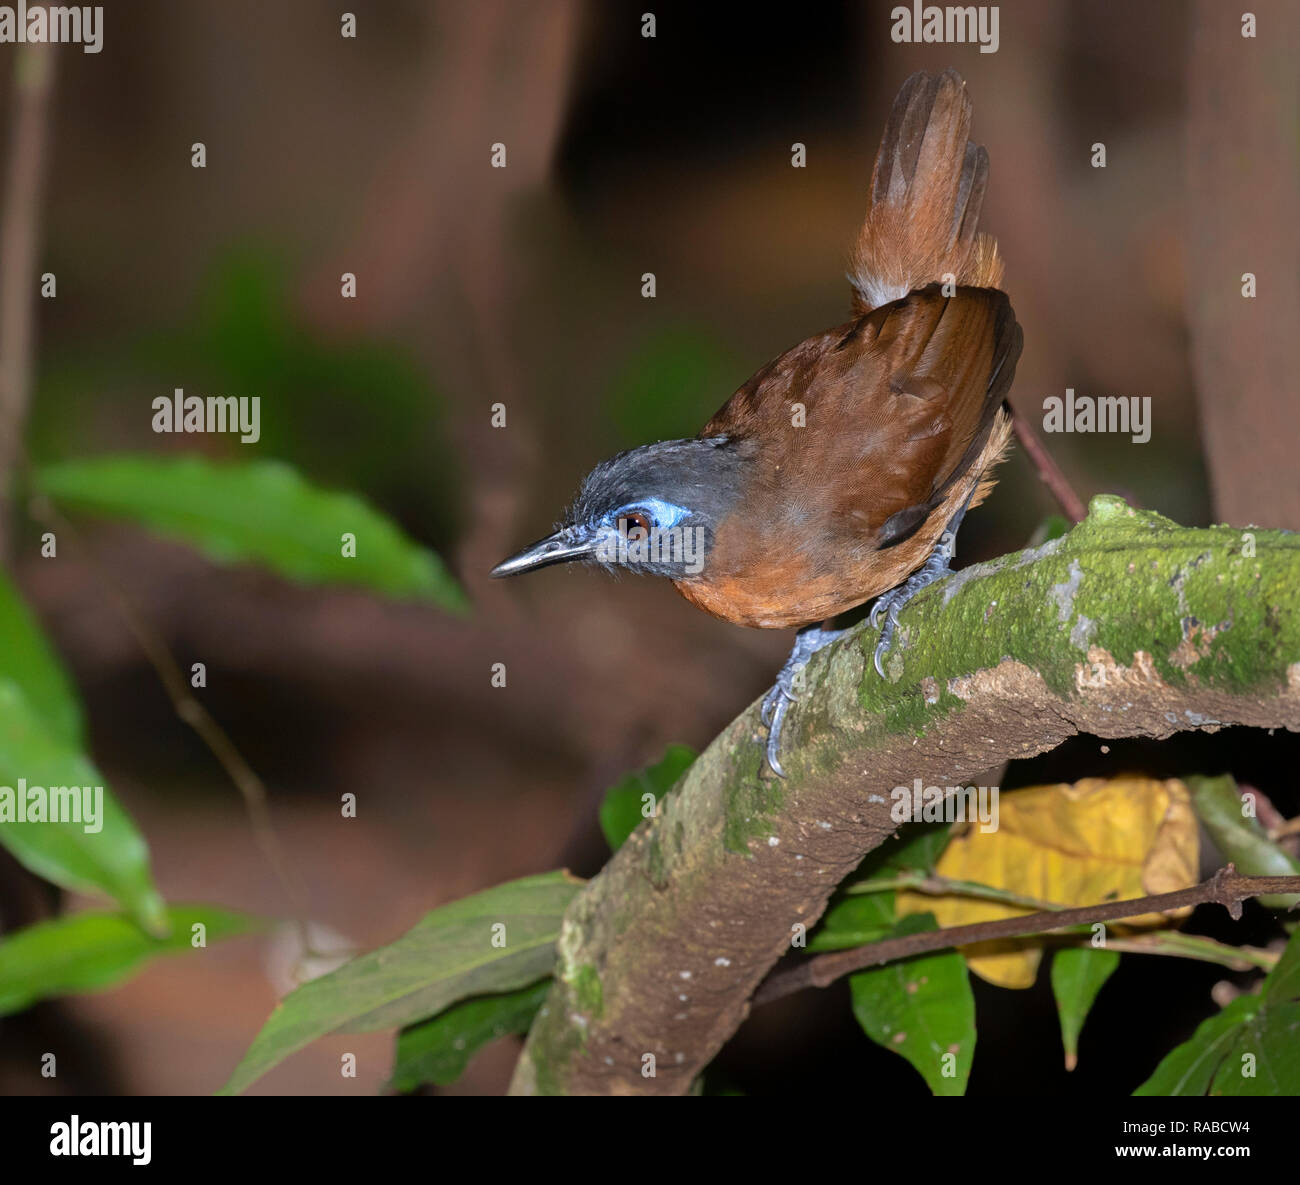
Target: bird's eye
pixel 633 523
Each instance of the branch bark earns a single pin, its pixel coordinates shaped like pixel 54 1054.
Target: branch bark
pixel 1127 626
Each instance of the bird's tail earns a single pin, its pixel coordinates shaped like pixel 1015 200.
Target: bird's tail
pixel 926 192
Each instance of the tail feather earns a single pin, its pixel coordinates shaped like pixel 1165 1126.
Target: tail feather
pixel 927 188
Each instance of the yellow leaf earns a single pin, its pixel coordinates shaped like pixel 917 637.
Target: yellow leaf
pixel 1098 840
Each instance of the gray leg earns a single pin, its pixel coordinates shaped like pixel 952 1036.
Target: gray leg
pixel 777 701
pixel 890 604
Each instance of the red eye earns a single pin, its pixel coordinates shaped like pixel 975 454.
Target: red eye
pixel 634 524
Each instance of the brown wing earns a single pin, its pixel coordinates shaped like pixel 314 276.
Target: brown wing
pixel 896 407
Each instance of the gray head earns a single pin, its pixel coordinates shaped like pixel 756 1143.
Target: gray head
pixel 652 509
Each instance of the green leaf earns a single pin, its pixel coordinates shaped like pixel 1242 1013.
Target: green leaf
pixel 1263 1061
pixel 450 955
pixel 855 918
pixel 623 809
pixel 438 1050
pixel 1078 973
pixel 1282 984
pixel 915 847
pixel 1271 1036
pixel 256 512
pixel 29 660
pixel 111 857
pixel 922 1008
pixel 87 952
pixel 1247 1049
pixel 853 921
pixel 1189 1068
pixel 41 740
pixel 1241 838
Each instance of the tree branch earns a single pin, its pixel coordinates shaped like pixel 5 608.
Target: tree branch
pixel 1225 888
pixel 19 238
pixel 1127 626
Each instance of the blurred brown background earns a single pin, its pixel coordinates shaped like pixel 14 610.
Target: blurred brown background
pixel 522 286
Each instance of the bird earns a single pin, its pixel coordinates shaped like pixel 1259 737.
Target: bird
pixel 841 471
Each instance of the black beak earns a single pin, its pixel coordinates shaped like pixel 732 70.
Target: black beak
pixel 571 543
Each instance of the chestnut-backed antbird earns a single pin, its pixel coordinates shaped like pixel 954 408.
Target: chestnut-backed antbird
pixel 841 471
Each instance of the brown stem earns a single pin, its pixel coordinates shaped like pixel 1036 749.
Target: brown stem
pixel 19 235
pixel 1226 887
pixel 1290 827
pixel 1048 470
pixel 246 780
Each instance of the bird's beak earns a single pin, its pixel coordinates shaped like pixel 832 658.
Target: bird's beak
pixel 571 543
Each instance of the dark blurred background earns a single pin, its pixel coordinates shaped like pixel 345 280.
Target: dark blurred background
pixel 522 286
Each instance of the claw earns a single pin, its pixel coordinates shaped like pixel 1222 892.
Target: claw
pixel 778 700
pixel 887 634
pixel 774 736
pixel 890 604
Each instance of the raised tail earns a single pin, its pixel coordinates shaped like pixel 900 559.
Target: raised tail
pixel 926 192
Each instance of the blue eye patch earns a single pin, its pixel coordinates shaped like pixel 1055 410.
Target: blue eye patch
pixel 665 514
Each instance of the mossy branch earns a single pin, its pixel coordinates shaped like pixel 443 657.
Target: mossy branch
pixel 1128 626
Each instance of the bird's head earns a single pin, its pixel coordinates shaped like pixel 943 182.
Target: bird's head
pixel 653 509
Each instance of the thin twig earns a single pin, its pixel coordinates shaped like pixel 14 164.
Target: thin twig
pixel 1282 831
pixel 934 885
pixel 1175 944
pixel 1290 827
pixel 1225 888
pixel 1163 942
pixel 1048 470
pixel 19 238
pixel 250 786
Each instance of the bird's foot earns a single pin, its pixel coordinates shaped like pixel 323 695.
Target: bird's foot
pixel 777 701
pixel 889 605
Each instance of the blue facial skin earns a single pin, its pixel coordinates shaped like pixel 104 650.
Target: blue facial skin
pixel 664 515
pixel 686 486
pixel 663 551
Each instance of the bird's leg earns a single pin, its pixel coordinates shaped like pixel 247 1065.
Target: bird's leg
pixel 891 603
pixel 777 701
